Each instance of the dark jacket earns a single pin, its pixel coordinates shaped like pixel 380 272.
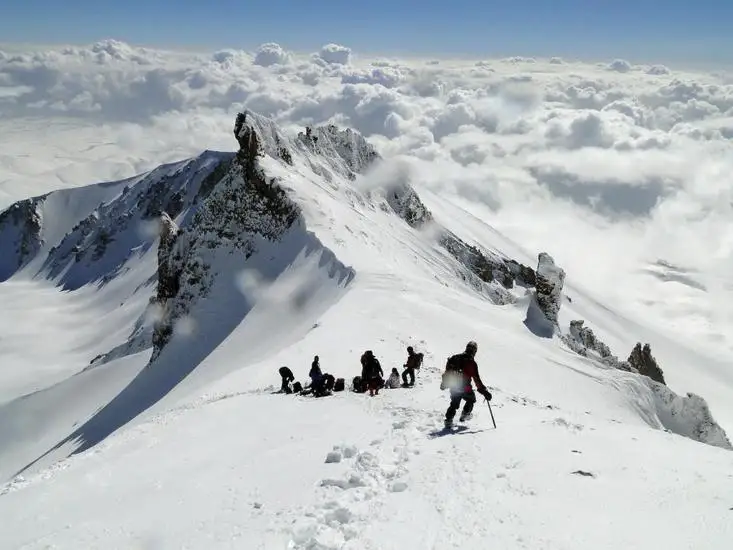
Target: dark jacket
pixel 315 372
pixel 413 360
pixel 467 370
pixel 371 368
pixel 286 373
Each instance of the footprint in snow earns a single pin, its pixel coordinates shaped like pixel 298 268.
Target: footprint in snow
pixel 341 451
pixel 569 425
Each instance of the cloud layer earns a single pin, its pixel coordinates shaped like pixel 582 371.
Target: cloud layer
pixel 611 167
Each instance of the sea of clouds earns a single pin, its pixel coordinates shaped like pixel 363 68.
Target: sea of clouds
pixel 622 172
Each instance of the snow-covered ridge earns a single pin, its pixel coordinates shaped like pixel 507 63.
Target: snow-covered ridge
pixel 215 234
pixel 87 235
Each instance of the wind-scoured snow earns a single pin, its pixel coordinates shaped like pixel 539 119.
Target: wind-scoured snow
pixel 183 442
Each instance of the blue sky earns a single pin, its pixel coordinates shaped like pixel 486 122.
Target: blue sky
pixel 642 30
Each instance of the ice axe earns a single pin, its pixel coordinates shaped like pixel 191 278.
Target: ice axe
pixel 491 413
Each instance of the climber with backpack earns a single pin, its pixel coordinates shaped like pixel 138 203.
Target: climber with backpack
pixel 460 369
pixel 414 360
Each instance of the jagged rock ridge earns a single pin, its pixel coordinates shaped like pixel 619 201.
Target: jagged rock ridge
pixel 689 416
pixel 243 206
pixel 643 362
pixel 20 235
pixel 483 266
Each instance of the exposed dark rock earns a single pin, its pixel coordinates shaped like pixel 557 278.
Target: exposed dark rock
pixel 167 276
pixel 243 205
pixel 346 146
pixel 523 274
pixel 549 282
pixel 21 223
pixel 216 175
pixel 104 237
pixel 587 338
pixel 641 360
pixel 407 204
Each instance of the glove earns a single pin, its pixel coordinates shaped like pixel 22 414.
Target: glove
pixel 486 393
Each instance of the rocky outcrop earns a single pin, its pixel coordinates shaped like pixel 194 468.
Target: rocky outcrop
pixel 244 206
pixel 688 416
pixel 20 234
pixel 544 305
pixel 523 274
pixel 582 339
pixel 406 203
pixel 642 361
pixel 343 146
pixel 167 275
pixel 482 266
pixel 549 282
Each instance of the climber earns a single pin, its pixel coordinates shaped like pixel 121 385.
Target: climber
pixel 315 373
pixel 287 377
pixel 371 372
pixel 460 369
pixel 394 380
pixel 414 360
pixel 324 386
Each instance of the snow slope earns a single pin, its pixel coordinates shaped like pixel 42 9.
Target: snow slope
pixel 171 454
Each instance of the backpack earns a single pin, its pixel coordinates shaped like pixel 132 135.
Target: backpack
pixel 297 387
pixel 420 357
pixel 329 382
pixel 357 385
pixel 453 375
pixel 339 385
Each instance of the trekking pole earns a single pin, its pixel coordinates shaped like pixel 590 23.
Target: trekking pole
pixel 491 413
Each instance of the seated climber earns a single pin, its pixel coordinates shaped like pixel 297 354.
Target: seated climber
pixel 287 377
pixel 324 386
pixel 394 379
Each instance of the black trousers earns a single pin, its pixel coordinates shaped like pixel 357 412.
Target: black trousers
pixel 409 372
pixel 455 402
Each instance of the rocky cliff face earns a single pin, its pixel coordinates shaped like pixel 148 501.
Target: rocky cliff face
pixel 482 266
pixel 244 206
pixel 582 340
pixel 20 235
pixel 119 227
pixel 544 306
pixel 549 282
pixel 347 152
pixel 688 415
pixel 642 361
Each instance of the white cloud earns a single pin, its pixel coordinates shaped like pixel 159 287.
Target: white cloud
pixel 657 70
pixel 335 54
pixel 620 66
pixel 271 53
pixel 606 169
